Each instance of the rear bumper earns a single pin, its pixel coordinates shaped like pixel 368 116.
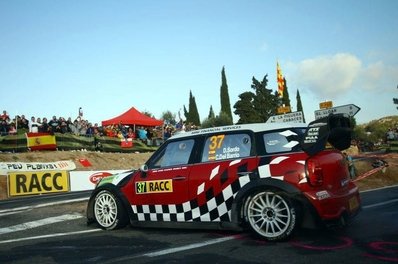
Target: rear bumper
pixel 334 206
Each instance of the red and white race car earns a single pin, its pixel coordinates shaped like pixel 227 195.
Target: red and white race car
pixel 270 177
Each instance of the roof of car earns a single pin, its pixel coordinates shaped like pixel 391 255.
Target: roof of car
pixel 256 127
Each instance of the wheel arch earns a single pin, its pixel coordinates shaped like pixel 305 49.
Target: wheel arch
pixel 237 215
pixel 114 190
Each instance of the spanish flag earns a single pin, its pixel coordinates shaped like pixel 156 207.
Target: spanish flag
pixel 279 78
pixel 41 141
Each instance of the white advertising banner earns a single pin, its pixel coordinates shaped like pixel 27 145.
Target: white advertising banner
pixel 86 180
pixel 65 165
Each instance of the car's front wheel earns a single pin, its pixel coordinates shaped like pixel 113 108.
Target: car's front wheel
pixel 271 215
pixel 108 211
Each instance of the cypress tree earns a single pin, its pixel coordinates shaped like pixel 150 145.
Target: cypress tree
pixel 211 113
pixel 224 96
pixel 193 111
pixel 285 98
pixel 299 104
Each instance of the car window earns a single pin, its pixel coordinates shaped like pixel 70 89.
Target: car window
pixel 175 153
pixel 226 146
pixel 281 141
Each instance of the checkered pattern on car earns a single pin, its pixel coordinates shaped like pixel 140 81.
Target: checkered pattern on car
pixel 217 207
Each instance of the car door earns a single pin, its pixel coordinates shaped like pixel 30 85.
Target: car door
pixel 161 191
pixel 225 165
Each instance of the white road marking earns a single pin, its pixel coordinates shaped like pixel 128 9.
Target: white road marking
pixel 50 236
pixel 16 212
pixel 41 222
pixel 43 205
pixel 174 250
pixel 188 247
pixel 379 204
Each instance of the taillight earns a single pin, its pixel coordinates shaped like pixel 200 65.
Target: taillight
pixel 314 172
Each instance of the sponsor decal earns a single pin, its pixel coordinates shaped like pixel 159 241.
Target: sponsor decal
pixel 26 183
pixel 159 186
pixel 321 195
pixel 94 178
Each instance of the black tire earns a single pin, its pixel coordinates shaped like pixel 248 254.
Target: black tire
pixel 271 215
pixel 108 211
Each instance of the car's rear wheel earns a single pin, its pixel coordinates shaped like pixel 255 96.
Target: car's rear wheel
pixel 271 215
pixel 108 211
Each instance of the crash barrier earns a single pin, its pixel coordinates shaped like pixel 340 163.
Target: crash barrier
pixel 392 146
pixel 378 165
pixel 48 179
pixel 19 143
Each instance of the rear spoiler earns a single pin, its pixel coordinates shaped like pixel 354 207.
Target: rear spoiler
pixel 333 129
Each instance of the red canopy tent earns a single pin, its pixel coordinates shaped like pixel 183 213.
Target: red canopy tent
pixel 133 117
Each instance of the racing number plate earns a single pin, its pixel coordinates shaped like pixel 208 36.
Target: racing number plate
pixel 353 203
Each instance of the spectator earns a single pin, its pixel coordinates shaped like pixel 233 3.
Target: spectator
pixel 167 133
pixel 54 125
pixel 3 127
pixel 33 125
pixel 390 135
pixel 122 129
pixel 45 127
pixel 142 134
pixel 63 125
pixel 82 127
pixel 38 121
pixel 4 115
pixel 73 127
pixel 12 129
pixel 149 133
pixel 68 123
pixel 90 130
pixel 130 133
pixel 23 123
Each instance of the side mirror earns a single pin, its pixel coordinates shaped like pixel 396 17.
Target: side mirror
pixel 144 168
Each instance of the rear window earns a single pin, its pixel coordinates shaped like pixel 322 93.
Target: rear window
pixel 226 146
pixel 282 141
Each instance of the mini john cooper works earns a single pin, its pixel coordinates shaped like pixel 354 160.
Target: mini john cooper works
pixel 271 178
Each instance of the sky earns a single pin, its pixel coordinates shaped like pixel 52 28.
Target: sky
pixel 108 56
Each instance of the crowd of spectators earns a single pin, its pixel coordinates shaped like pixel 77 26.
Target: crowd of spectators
pixel 79 126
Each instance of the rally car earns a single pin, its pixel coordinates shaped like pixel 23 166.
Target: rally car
pixel 271 178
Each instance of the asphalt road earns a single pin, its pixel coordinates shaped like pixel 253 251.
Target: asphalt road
pixel 53 230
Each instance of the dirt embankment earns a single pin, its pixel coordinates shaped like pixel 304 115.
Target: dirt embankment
pixel 98 160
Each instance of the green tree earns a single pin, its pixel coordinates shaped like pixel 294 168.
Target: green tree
pixel 211 113
pixel 224 96
pixel 147 113
pixel 221 120
pixel 299 104
pixel 169 117
pixel 186 114
pixel 193 114
pixel 285 97
pixel 257 106
pixel 245 110
pixel 265 103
